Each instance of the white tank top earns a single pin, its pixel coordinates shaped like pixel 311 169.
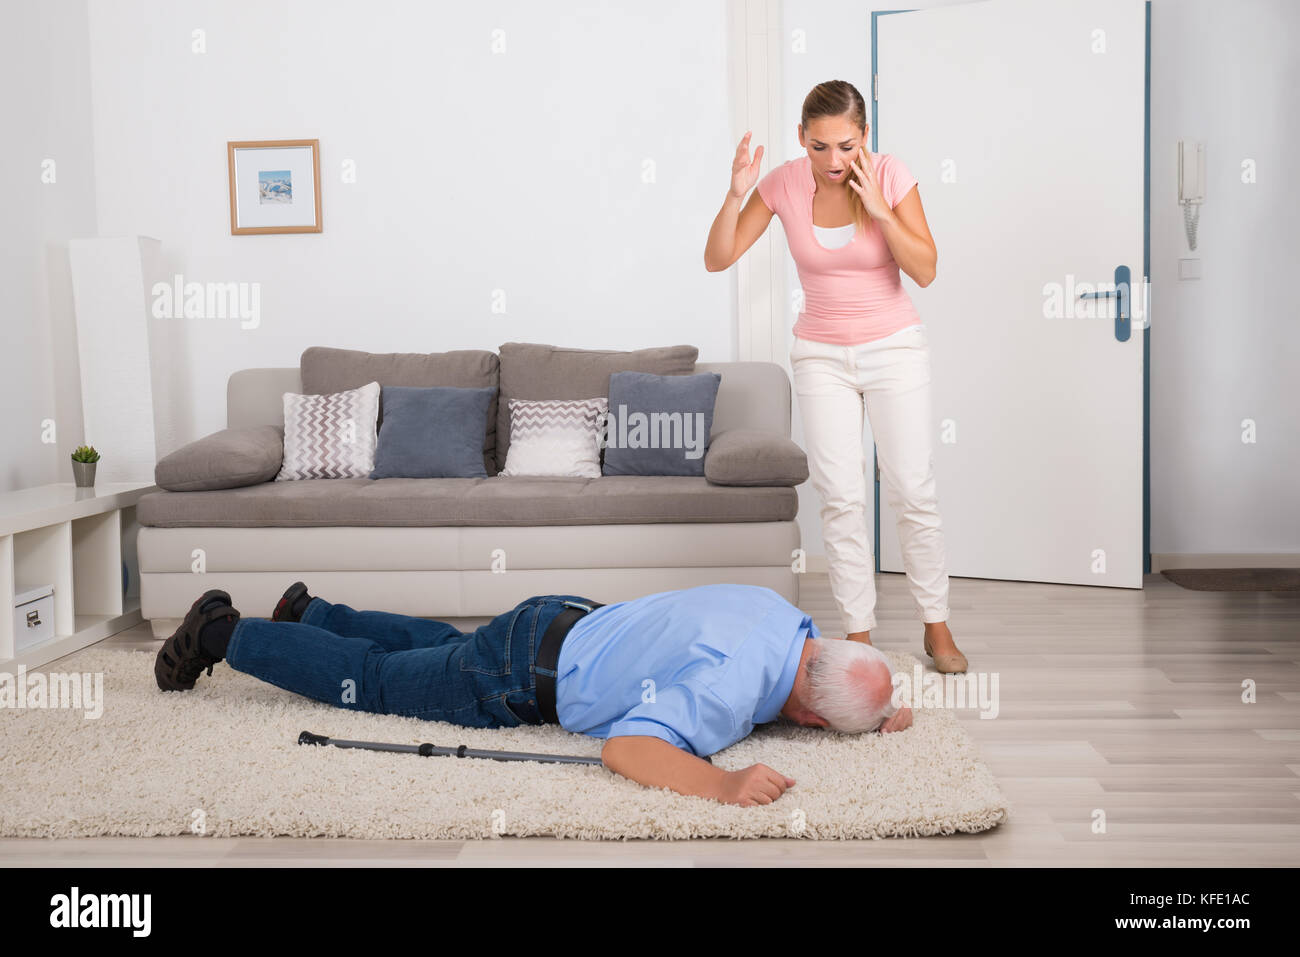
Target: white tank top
pixel 833 237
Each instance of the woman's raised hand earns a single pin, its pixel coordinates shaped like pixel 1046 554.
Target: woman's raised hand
pixel 744 172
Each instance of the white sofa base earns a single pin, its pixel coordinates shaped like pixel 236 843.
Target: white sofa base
pixel 453 573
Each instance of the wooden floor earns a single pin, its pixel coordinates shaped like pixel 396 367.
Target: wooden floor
pixel 1114 702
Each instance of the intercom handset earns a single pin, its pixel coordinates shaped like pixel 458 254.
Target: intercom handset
pixel 1191 185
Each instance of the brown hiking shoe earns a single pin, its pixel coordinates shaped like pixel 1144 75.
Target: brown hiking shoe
pixel 295 594
pixel 181 659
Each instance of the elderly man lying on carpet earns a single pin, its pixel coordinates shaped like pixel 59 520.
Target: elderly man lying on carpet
pixel 666 678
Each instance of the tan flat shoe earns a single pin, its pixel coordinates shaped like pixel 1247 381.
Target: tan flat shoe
pixel 947 664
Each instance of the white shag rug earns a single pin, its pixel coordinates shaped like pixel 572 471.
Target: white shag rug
pixel 223 760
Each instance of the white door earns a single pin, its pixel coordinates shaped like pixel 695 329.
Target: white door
pixel 1025 123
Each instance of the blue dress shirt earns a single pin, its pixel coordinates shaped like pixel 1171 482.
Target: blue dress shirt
pixel 698 667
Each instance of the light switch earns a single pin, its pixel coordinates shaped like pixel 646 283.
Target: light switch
pixel 1189 269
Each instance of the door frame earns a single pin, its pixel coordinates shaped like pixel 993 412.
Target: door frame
pixel 1146 276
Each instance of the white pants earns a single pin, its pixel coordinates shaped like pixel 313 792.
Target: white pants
pixel 892 375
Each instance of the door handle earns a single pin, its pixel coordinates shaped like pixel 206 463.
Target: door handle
pixel 1123 302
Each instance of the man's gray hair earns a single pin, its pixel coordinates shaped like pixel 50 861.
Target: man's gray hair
pixel 850 684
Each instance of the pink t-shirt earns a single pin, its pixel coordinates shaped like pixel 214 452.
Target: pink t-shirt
pixel 852 294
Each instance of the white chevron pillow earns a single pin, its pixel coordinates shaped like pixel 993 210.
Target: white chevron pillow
pixel 330 436
pixel 556 437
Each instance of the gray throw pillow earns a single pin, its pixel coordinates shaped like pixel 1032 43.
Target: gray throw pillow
pixel 231 458
pixel 432 433
pixel 659 425
pixel 753 457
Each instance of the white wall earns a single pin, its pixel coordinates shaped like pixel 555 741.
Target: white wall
pixel 45 115
pixel 1224 348
pixel 477 171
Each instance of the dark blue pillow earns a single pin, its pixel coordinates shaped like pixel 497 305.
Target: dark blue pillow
pixel 659 424
pixel 433 432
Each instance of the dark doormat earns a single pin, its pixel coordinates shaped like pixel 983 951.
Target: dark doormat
pixel 1235 579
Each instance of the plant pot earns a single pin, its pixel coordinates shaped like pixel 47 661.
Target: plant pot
pixel 84 473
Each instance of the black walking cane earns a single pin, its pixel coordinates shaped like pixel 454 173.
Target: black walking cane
pixel 461 751
pixel 433 751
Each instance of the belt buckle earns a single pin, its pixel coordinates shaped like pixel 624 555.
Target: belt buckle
pixel 574 604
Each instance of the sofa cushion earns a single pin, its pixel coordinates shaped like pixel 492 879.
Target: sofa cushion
pixel 325 369
pixel 555 437
pixel 659 425
pixel 530 371
pixel 432 433
pixel 329 436
pixel 751 457
pixel 227 459
pixel 608 500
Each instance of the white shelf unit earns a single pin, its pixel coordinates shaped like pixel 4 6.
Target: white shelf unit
pixel 75 539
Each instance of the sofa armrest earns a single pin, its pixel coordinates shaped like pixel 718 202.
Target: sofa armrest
pixel 753 457
pixel 227 459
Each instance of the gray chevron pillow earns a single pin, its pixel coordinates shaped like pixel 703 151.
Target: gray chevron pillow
pixel 556 437
pixel 330 436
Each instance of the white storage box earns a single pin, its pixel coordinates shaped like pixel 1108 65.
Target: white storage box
pixel 33 615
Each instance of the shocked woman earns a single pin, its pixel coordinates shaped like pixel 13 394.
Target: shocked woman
pixel 852 220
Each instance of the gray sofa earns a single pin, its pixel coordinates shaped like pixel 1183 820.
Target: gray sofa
pixel 468 548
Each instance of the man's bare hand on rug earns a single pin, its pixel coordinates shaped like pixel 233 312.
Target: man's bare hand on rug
pixel 898 721
pixel 756 784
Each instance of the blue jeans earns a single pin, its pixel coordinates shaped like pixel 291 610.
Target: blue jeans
pixel 396 664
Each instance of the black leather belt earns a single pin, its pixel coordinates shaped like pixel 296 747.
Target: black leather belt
pixel 548 657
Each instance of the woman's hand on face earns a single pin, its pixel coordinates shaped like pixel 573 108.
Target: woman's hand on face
pixel 744 173
pixel 868 186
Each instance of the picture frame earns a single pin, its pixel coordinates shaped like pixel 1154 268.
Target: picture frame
pixel 274 186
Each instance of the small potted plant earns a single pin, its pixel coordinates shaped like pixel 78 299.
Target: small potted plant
pixel 84 458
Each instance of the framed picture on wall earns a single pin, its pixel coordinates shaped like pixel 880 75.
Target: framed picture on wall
pixel 274 186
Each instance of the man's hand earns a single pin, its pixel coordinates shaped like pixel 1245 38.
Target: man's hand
pixel 756 784
pixel 656 763
pixel 901 719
